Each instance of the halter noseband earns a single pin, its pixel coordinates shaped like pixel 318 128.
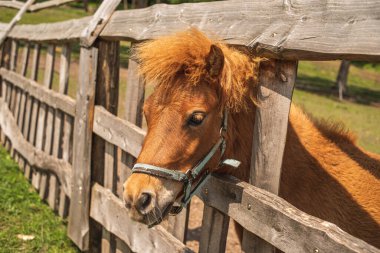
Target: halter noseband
pixel 188 177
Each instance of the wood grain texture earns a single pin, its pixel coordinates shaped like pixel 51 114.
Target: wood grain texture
pixel 301 30
pixel 109 211
pixel 276 83
pixel 43 94
pixel 25 59
pixel 117 131
pixel 135 93
pixel 34 156
pixel 98 22
pixel 214 231
pixel 35 62
pixel 287 228
pixel 312 30
pixel 78 228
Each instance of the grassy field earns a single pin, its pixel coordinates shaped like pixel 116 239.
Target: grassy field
pixel 23 213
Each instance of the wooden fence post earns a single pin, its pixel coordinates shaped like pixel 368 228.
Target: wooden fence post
pixel 79 227
pixel 276 83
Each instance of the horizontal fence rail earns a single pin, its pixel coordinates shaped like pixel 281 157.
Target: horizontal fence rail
pixel 276 29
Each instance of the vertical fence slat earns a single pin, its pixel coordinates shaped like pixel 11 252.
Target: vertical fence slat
pixel 214 231
pixel 107 96
pixel 25 59
pixel 35 62
pixel 42 135
pixel 135 93
pixel 67 148
pixel 78 228
pixel 58 124
pixel 14 55
pixel 276 83
pixel 5 62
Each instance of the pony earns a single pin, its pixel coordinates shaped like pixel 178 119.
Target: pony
pixel 196 79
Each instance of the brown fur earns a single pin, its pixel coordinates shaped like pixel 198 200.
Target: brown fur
pixel 324 172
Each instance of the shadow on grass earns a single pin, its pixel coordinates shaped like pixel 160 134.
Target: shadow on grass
pixel 325 87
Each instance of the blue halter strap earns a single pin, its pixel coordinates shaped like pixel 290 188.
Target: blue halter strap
pixel 194 178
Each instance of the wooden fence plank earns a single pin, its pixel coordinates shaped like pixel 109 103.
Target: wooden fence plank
pixel 292 230
pixel 5 63
pixel 42 136
pixel 276 83
pixel 43 94
pixel 104 203
pixel 135 93
pixel 58 125
pixel 98 22
pixel 14 55
pixel 214 231
pixel 25 59
pixel 118 131
pixel 78 229
pixel 34 156
pixel 106 95
pixel 35 62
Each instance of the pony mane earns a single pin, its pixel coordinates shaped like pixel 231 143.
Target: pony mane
pixel 161 61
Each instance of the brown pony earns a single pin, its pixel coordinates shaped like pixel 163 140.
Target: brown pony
pixel 324 172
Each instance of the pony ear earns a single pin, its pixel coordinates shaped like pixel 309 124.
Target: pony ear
pixel 215 61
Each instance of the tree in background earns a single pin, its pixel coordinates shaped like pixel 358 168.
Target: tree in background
pixel 341 80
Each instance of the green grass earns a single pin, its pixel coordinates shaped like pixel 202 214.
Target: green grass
pixel 22 212
pixel 360 112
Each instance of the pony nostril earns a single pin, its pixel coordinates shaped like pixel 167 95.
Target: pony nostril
pixel 143 202
pixel 128 205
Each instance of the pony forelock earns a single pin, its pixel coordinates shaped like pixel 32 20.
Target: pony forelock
pixel 163 59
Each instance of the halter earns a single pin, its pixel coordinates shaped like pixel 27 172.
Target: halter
pixel 190 176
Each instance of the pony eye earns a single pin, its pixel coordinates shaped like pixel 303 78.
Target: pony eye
pixel 196 119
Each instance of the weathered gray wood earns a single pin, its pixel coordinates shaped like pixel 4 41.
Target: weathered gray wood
pixel 64 70
pixel 98 22
pixel 276 83
pixel 78 229
pixel 12 4
pixel 33 122
pixel 122 247
pixel 104 154
pixel 60 31
pixel 15 19
pixel 177 225
pixel 34 156
pixel 292 230
pixel 214 231
pixel 43 94
pixel 48 150
pixel 277 29
pixel 5 63
pixel 109 211
pixel 117 131
pixel 44 128
pixel 135 92
pixel 110 175
pixel 25 59
pixel 49 66
pixel 280 29
pixel 58 125
pixel 14 55
pixel 35 62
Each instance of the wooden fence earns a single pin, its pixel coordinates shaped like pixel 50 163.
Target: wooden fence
pixel 34 7
pixel 78 152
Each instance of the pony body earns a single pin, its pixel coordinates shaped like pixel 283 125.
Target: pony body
pixel 324 172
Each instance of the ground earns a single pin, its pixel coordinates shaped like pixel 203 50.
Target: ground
pixel 23 214
pixel 21 211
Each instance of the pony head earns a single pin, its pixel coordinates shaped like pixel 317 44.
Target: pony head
pixel 196 81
